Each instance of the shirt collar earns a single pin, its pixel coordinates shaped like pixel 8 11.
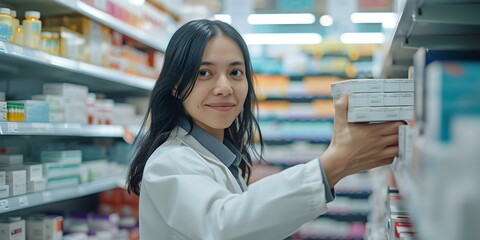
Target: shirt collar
pixel 226 152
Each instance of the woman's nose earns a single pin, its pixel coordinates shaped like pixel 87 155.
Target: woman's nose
pixel 223 86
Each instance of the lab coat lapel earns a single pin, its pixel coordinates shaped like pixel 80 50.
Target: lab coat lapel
pixel 189 140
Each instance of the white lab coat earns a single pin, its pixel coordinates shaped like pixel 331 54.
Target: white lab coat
pixel 187 193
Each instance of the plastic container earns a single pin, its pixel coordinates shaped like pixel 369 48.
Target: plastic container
pixel 6 24
pixel 32 27
pixel 15 23
pixel 19 35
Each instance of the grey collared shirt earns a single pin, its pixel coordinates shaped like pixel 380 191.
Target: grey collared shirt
pixel 231 156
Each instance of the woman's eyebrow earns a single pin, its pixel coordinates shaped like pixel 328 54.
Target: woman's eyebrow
pixel 234 63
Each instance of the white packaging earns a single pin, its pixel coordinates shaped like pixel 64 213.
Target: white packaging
pixel 4 191
pixel 12 229
pixel 372 85
pixel 379 99
pixel 3 116
pixel 67 90
pixel 34 170
pixel 11 159
pixel 379 114
pixel 3 106
pixel 2 177
pixel 36 186
pixel 41 227
pixel 17 179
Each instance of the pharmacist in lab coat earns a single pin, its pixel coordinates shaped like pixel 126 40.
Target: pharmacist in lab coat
pixel 194 157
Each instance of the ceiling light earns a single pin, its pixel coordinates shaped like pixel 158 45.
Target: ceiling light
pixel 223 17
pixel 282 38
pixel 292 18
pixel 387 19
pixel 326 20
pixel 363 38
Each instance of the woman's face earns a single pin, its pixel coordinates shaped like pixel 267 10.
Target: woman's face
pixel 220 88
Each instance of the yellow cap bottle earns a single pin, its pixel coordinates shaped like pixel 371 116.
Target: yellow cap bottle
pixel 15 23
pixel 32 28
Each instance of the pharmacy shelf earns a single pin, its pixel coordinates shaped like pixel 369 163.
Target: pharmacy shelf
pixel 55 7
pixel 43 66
pixel 54 195
pixel 62 129
pixel 433 24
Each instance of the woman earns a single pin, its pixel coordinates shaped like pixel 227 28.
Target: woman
pixel 193 161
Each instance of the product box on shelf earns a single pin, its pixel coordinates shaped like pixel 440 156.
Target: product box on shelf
pixel 2 177
pixel 96 47
pixel 3 106
pixel 421 59
pixel 71 42
pixel 376 100
pixel 452 90
pixel 40 226
pixel 36 185
pixel 4 191
pixel 378 114
pixel 17 180
pixel 379 99
pixel 12 228
pixel 10 159
pixel 33 110
pixel 371 86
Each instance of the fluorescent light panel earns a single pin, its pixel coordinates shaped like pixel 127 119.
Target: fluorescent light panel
pixel 387 19
pixel 223 17
pixel 292 18
pixel 362 38
pixel 282 38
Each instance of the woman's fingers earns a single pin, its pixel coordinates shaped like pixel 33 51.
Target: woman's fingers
pixel 341 110
pixel 389 152
pixel 390 140
pixel 387 128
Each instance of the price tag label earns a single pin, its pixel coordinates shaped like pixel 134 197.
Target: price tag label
pixel 12 127
pixel 47 196
pixel 3 48
pixel 4 205
pixel 23 201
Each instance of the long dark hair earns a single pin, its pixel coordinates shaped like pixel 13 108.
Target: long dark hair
pixel 182 61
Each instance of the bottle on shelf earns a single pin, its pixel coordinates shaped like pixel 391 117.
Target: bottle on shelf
pixel 6 23
pixel 32 27
pixel 15 23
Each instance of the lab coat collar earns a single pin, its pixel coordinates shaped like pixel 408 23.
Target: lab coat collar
pixel 182 135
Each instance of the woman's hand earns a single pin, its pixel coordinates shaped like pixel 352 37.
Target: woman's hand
pixel 357 147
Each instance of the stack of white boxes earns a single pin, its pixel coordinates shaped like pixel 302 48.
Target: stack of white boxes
pixel 74 99
pixel 376 100
pixel 19 177
pixel 3 111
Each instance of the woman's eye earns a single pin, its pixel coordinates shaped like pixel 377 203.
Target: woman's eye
pixel 204 73
pixel 237 73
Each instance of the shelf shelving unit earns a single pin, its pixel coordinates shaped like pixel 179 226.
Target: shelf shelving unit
pixel 23 70
pixel 54 195
pixel 40 64
pixel 433 25
pixel 47 7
